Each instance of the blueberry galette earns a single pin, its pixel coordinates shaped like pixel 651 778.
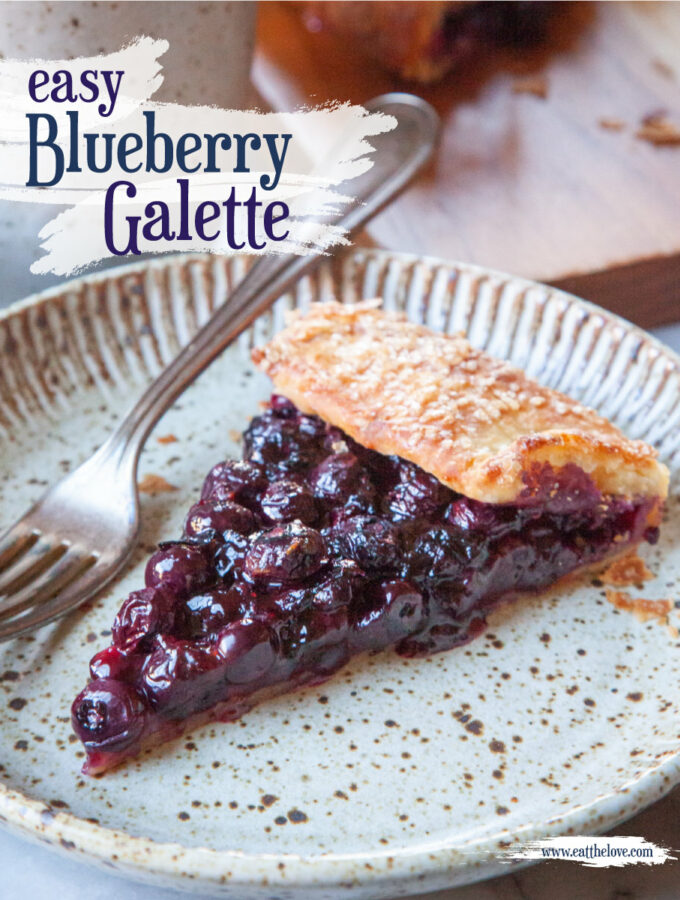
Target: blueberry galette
pixel 422 41
pixel 398 486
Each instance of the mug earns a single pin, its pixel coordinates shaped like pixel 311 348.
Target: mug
pixel 208 63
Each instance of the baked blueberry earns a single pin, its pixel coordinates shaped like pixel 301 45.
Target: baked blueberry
pixel 284 501
pixel 206 613
pixel 247 649
pixel 416 495
pixel 182 676
pixel 373 543
pixel 238 480
pixel 209 519
pixel 387 612
pixel 180 566
pixel 109 715
pixel 144 614
pixel 284 555
pixel 341 481
pixel 283 444
pixel 230 555
pixel 112 662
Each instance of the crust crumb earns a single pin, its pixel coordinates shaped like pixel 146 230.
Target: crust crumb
pixel 155 484
pixel 536 85
pixel 642 609
pixel 626 571
pixel 235 435
pixel 167 439
pixel 610 124
pixel 663 68
pixel 659 131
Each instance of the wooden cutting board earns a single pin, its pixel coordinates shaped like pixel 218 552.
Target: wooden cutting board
pixel 537 186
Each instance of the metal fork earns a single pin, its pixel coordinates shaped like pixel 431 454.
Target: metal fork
pixel 81 532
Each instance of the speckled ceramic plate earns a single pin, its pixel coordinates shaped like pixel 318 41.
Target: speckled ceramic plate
pixel 396 776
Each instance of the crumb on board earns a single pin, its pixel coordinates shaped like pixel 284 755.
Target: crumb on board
pixel 234 435
pixel 654 115
pixel 155 484
pixel 611 124
pixel 642 609
pixel 663 68
pixel 167 439
pixel 534 84
pixel 626 571
pixel 658 130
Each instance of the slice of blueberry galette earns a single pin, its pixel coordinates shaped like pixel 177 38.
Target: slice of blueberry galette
pixel 398 486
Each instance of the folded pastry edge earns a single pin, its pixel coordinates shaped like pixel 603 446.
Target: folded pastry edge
pixel 618 466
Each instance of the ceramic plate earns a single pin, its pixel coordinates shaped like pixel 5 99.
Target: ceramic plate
pixel 397 776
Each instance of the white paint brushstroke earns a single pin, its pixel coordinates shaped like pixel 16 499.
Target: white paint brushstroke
pixel 594 852
pixel 139 61
pixel 338 134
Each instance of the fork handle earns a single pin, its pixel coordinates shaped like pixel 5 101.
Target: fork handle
pixel 399 154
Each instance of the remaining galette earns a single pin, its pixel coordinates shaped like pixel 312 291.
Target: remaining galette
pixel 398 486
pixel 422 41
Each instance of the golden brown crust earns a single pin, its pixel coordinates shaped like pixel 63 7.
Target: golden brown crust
pixel 626 571
pixel 398 34
pixel 642 608
pixel 474 422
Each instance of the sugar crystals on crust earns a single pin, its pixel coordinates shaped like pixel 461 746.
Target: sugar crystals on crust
pixel 474 422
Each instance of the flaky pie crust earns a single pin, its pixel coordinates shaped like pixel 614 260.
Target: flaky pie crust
pixel 474 422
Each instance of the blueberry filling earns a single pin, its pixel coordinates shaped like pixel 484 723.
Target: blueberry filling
pixel 313 548
pixel 466 29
